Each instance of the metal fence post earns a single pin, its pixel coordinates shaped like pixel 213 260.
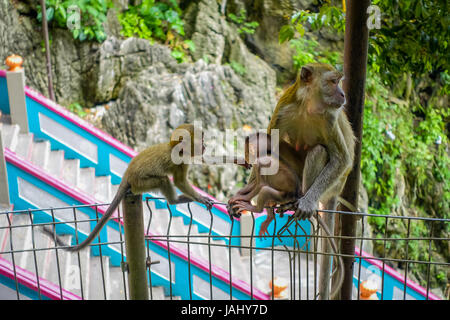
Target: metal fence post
pixel 355 64
pixel 133 216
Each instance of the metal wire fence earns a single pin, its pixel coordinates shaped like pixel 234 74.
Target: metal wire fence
pixel 282 265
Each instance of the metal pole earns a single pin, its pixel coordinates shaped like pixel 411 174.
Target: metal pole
pixel 51 93
pixel 133 216
pixel 355 63
pixel 326 261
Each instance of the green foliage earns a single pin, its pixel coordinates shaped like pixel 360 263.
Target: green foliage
pixel 237 67
pixel 413 151
pixel 402 139
pixel 77 109
pixel 308 49
pixel 413 38
pixel 154 20
pixel 92 15
pixel 244 26
pixel 328 17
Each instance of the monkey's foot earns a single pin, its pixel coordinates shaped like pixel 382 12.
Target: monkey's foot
pixel 305 209
pixel 263 232
pixel 207 202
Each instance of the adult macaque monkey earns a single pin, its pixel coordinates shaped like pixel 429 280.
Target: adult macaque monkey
pixel 150 171
pixel 310 116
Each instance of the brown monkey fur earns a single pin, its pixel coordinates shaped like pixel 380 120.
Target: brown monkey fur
pixel 310 113
pixel 271 189
pixel 282 187
pixel 149 171
pixel 311 118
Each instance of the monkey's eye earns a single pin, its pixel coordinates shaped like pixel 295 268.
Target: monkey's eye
pixel 335 81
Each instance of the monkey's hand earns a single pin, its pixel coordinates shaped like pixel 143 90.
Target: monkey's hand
pixel 305 208
pixel 231 212
pixel 206 201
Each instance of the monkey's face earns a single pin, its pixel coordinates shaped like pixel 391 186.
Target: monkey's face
pixel 330 89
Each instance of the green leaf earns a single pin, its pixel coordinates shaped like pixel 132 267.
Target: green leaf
pixel 76 33
pixel 50 12
pixel 92 11
pixel 190 45
pixel 156 13
pixel 179 55
pixel 146 6
pixel 82 36
pixel 286 33
pixel 172 16
pixel 62 12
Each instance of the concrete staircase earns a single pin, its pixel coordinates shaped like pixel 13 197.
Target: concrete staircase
pixel 85 181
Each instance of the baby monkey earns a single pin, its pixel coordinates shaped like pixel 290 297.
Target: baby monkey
pixel 282 187
pixel 150 171
pixel 276 178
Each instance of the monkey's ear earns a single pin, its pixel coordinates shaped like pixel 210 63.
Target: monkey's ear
pixel 306 74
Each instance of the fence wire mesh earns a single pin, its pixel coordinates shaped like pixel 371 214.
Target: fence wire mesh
pixel 281 265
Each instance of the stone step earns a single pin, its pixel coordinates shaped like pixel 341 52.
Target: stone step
pixel 25 146
pixel 103 188
pixel 40 154
pixel 99 280
pixel 10 135
pixel 71 171
pixel 56 163
pixel 86 182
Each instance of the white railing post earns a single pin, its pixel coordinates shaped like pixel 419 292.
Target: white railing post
pixel 4 191
pixel 15 79
pixel 246 231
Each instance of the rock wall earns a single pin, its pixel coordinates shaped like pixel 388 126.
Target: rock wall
pixel 147 92
pixel 154 99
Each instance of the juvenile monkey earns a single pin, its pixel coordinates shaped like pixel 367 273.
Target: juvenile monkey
pixel 150 171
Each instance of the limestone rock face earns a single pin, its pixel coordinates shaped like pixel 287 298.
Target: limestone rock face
pixel 271 16
pixel 154 101
pixel 147 92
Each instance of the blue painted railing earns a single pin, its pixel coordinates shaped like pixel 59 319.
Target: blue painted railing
pixel 108 150
pixel 21 170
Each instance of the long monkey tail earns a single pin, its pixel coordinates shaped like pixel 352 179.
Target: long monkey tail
pixel 123 188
